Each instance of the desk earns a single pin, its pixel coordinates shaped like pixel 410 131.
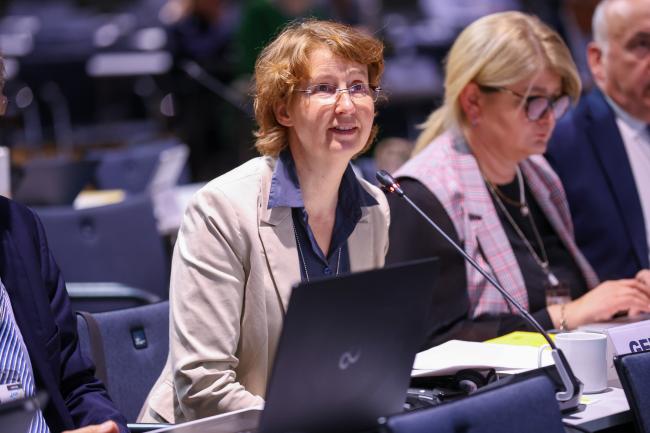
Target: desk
pixel 607 410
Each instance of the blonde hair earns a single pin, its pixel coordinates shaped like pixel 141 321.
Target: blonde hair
pixel 284 63
pixel 498 50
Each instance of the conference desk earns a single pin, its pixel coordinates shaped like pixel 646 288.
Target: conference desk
pixel 607 411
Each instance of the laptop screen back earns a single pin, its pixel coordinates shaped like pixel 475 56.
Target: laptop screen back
pixel 347 348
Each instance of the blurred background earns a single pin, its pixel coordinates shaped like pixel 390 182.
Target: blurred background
pixel 83 75
pixel 110 100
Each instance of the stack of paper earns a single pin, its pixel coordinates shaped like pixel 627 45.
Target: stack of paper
pixel 455 355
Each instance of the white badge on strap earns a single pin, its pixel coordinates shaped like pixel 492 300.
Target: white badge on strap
pixel 634 337
pixel 11 391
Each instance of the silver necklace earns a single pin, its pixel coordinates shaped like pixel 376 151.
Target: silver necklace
pixel 541 261
pixel 302 257
pixel 521 204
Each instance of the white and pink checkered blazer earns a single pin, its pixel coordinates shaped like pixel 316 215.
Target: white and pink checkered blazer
pixel 448 168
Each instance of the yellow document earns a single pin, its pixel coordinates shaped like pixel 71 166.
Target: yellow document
pixel 521 338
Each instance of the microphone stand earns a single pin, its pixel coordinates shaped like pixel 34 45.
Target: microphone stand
pixel 568 398
pixel 197 73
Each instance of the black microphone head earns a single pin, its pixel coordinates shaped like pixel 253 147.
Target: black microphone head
pixel 384 178
pixel 388 182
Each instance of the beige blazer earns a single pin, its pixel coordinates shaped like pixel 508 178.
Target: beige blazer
pixel 233 266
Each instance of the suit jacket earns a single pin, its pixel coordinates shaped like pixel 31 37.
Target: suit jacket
pixel 588 154
pixel 42 311
pixel 234 264
pixel 449 170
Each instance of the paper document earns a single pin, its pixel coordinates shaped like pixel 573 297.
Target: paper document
pixel 455 355
pixel 521 338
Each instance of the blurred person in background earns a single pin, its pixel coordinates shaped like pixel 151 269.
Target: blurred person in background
pixel 601 150
pixel 262 20
pixel 392 152
pixel 479 172
pixel 296 213
pixel 39 346
pixel 204 34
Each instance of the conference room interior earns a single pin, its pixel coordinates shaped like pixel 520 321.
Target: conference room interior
pixel 120 110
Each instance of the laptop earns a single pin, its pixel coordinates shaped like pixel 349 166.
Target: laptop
pixel 16 416
pixel 345 355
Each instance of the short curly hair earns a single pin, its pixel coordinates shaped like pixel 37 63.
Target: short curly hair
pixel 284 63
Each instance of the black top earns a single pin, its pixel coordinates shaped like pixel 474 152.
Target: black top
pixel 412 238
pixel 560 260
pixel 285 191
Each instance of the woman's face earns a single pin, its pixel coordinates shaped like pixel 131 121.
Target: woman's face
pixel 504 124
pixel 328 125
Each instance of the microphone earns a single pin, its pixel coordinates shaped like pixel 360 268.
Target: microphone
pixel 567 399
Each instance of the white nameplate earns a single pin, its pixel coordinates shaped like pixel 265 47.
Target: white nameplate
pixel 11 391
pixel 634 337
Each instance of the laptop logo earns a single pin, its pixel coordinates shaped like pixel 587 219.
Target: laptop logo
pixel 349 358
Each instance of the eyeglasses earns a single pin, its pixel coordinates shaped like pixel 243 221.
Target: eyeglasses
pixel 537 106
pixel 3 105
pixel 329 93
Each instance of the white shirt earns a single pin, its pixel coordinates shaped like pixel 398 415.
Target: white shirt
pixel 636 139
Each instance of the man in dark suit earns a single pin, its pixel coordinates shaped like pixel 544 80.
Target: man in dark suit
pixel 601 150
pixel 39 348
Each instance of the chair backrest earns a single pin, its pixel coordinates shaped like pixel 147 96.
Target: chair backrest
pixel 133 168
pixel 99 297
pixel 634 372
pixel 528 406
pixel 135 344
pixel 53 181
pixel 115 243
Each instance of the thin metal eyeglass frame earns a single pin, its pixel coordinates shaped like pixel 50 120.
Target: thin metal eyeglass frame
pixel 374 92
pixel 527 100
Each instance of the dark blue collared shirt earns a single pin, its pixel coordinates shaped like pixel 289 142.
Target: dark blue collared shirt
pixel 285 191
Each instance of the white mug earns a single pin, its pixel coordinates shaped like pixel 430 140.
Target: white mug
pixel 586 353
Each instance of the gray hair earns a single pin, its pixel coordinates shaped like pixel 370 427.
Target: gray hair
pixel 599 24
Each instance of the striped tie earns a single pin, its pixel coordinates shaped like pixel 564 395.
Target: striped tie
pixel 14 358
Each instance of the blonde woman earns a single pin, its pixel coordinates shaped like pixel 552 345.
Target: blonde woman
pixel 296 213
pixel 478 170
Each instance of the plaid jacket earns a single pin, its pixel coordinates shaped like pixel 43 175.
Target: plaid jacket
pixel 449 170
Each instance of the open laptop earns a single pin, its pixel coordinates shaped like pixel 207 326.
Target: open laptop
pixel 345 354
pixel 16 416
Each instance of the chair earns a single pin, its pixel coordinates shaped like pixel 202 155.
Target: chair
pixel 634 372
pixel 129 348
pixel 134 168
pixel 98 297
pixel 526 406
pixel 116 243
pixel 53 181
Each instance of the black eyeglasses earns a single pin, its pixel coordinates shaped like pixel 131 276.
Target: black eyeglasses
pixel 328 93
pixel 536 106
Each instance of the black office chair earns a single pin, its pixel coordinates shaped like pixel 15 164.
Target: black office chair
pixel 134 168
pixel 116 243
pixel 527 406
pixel 129 348
pixel 634 372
